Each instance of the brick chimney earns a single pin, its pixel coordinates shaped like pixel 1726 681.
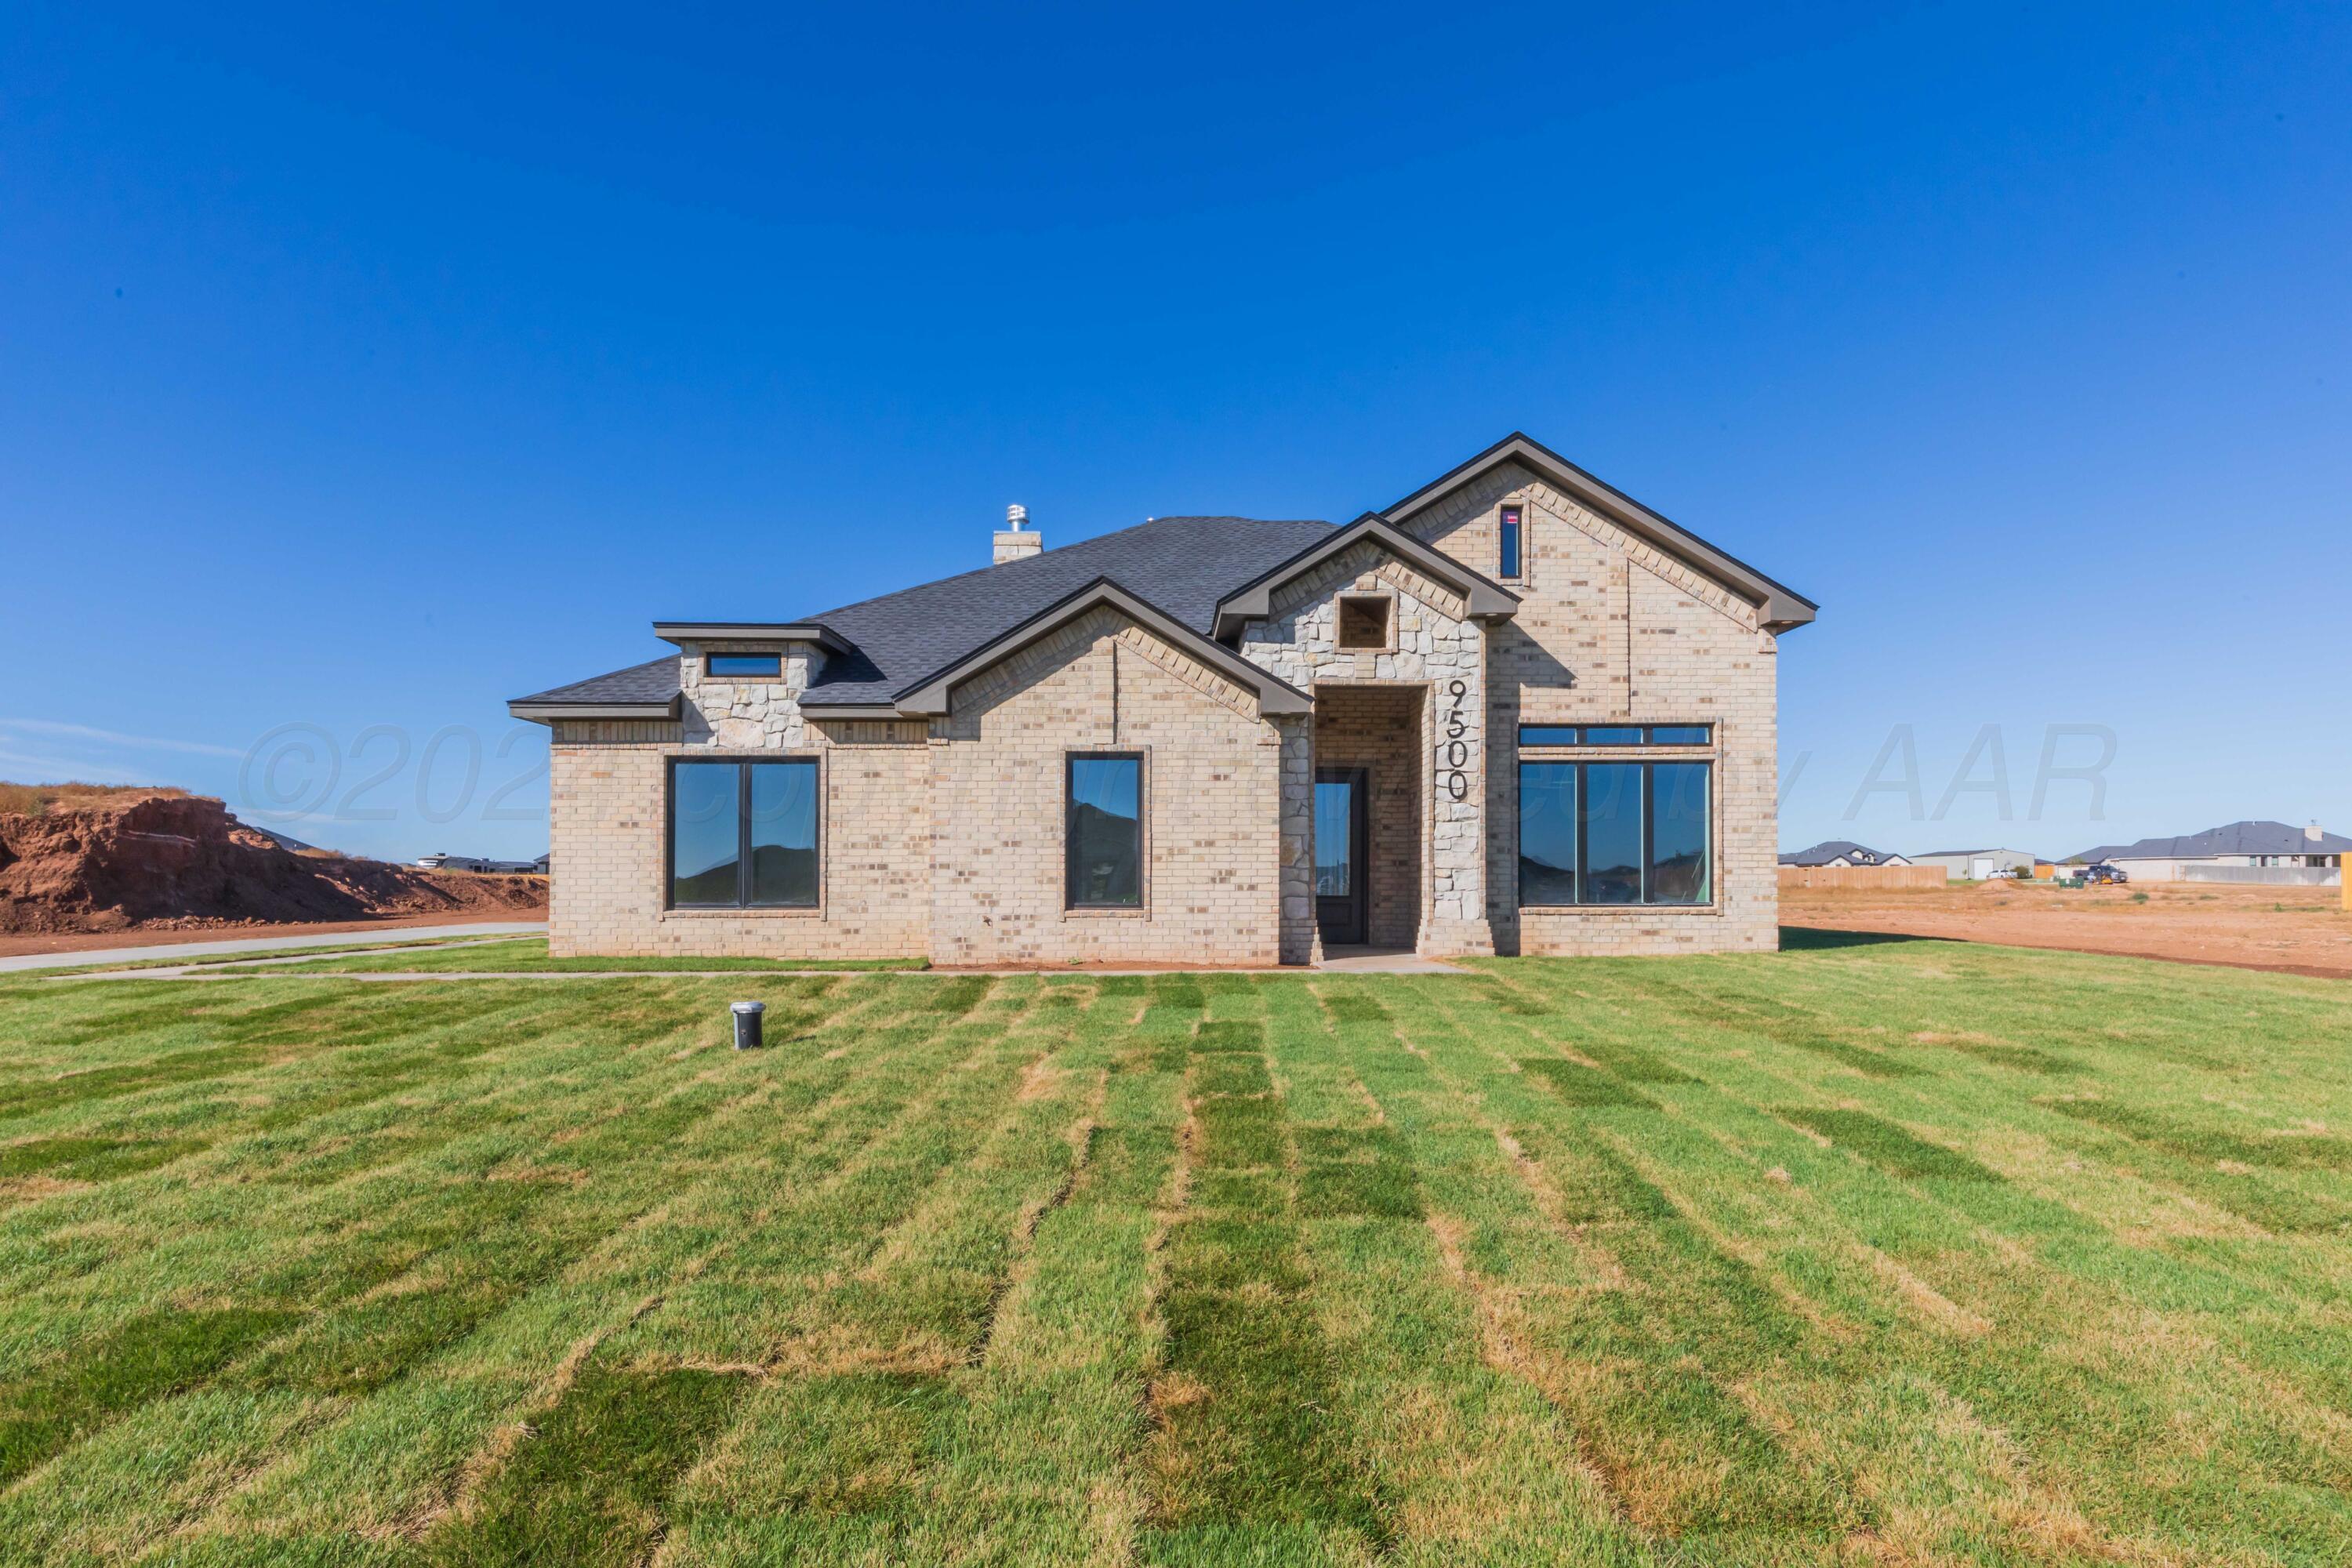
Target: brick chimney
pixel 1016 541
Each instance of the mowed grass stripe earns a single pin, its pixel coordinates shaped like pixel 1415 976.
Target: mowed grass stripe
pixel 1660 1376
pixel 1590 1261
pixel 158 1234
pixel 1252 1458
pixel 2094 1414
pixel 400 1459
pixel 1475 1463
pixel 993 1415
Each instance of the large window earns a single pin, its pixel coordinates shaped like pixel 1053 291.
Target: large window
pixel 1614 833
pixel 1102 832
pixel 743 834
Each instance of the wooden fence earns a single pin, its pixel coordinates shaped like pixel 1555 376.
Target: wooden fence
pixel 1862 877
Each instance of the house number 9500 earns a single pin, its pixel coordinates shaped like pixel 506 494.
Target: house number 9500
pixel 1451 773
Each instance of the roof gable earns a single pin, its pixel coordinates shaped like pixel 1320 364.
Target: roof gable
pixel 1780 607
pixel 933 695
pixel 1487 599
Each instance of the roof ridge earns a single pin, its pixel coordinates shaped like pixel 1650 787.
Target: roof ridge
pixel 1027 562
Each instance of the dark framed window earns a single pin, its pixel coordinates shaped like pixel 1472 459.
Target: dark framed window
pixel 770 664
pixel 1102 831
pixel 1615 833
pixel 1364 622
pixel 1507 564
pixel 1616 734
pixel 743 834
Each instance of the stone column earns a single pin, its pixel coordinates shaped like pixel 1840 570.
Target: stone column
pixel 1454 917
pixel 1300 942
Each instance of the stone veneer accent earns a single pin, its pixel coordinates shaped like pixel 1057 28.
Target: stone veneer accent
pixel 944 839
pixel 1435 648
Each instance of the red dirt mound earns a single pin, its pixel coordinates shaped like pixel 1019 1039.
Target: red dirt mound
pixel 106 862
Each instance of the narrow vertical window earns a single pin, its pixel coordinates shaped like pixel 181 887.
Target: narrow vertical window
pixel 1679 838
pixel 1547 833
pixel 1510 550
pixel 1102 841
pixel 1613 833
pixel 781 822
pixel 704 860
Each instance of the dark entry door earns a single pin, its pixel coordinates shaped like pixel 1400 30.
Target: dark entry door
pixel 1342 887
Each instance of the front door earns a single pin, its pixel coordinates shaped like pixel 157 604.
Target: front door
pixel 1340 885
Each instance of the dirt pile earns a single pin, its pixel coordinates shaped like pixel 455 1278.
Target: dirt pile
pixel 105 862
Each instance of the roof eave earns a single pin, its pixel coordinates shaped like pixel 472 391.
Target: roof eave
pixel 547 713
pixel 929 697
pixel 684 632
pixel 1780 608
pixel 850 710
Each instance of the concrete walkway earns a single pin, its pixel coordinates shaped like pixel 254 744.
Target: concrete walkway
pixel 393 937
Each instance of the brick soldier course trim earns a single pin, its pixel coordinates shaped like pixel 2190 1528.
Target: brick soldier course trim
pixel 942 718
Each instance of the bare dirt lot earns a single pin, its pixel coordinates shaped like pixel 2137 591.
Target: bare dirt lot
pixel 2297 930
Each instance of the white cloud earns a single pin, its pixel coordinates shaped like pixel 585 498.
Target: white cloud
pixel 117 738
pixel 70 769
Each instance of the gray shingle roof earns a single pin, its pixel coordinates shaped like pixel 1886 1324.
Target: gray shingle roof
pixel 1829 849
pixel 656 680
pixel 2237 838
pixel 1182 565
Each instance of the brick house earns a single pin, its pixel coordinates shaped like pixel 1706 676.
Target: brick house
pixel 1516 712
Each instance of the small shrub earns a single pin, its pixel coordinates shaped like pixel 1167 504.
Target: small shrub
pixel 2139 898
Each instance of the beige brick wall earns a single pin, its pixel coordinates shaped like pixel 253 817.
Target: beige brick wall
pixel 1610 629
pixel 609 812
pixel 1210 786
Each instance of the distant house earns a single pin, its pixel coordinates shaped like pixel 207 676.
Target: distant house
pixel 1841 852
pixel 442 860
pixel 1977 865
pixel 540 865
pixel 2216 853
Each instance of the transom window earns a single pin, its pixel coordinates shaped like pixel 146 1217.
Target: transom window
pixel 1364 622
pixel 1616 734
pixel 744 664
pixel 1102 831
pixel 743 834
pixel 1614 833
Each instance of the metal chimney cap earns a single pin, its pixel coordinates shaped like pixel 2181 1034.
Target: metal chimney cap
pixel 1015 515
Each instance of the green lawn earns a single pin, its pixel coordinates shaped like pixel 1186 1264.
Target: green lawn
pixel 528 955
pixel 1873 1252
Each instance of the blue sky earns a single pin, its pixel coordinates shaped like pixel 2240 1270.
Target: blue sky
pixel 358 372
